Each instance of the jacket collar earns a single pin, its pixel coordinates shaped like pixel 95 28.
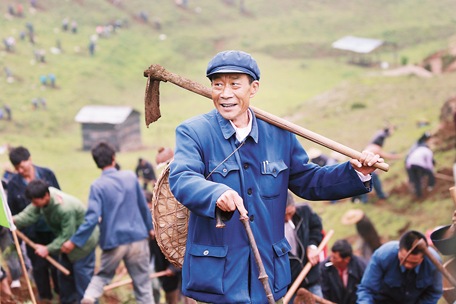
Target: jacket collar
pixel 108 171
pixel 228 130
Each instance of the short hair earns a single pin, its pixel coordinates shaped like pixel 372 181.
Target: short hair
pixel 408 238
pixel 18 155
pixel 102 153
pixel 37 188
pixel 290 199
pixel 343 247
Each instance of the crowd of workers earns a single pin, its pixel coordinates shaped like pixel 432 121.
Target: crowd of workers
pixel 218 267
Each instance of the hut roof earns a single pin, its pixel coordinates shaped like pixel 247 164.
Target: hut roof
pixel 357 44
pixel 103 114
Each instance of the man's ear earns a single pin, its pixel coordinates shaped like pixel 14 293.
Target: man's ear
pixel 255 87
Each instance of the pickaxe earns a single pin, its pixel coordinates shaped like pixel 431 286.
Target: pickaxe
pixel 156 73
pixel 421 245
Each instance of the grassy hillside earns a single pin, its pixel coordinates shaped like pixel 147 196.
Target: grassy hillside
pixel 303 79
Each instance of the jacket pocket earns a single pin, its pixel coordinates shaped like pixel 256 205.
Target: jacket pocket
pixel 207 268
pixel 271 178
pixel 282 275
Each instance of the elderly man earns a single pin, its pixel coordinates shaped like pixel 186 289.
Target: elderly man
pixel 417 280
pixel 341 274
pixel 229 159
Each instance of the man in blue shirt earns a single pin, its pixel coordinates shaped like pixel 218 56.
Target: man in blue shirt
pixel 117 204
pixel 229 159
pixel 417 280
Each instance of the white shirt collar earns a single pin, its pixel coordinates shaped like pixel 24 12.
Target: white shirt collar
pixel 241 133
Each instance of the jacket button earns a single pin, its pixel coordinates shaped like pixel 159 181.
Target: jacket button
pixel 246 166
pixel 206 252
pixel 283 250
pixel 251 218
pixel 224 170
pixel 249 192
pixel 274 171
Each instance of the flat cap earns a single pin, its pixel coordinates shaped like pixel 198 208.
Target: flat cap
pixel 233 62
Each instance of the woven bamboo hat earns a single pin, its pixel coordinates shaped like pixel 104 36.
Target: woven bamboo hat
pixel 352 216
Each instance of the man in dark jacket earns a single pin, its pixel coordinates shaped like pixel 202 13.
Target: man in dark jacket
pixel 39 232
pixel 145 171
pixel 341 273
pixel 303 232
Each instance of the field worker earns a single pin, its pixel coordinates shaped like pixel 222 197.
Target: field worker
pixel 219 266
pixel 40 232
pixel 417 280
pixel 117 201
pixel 64 214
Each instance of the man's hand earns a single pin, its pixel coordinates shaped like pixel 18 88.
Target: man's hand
pixel 67 247
pixel 312 256
pixel 230 201
pixel 365 163
pixel 152 234
pixel 41 250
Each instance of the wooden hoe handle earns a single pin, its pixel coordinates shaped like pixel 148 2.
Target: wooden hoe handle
pixel 51 260
pixel 157 73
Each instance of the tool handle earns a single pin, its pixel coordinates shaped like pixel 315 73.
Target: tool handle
pixel 157 72
pixel 263 277
pixel 51 260
pixel 218 218
pixel 306 269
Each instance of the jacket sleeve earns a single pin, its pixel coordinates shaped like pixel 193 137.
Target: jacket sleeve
pixel 315 228
pixel 433 293
pixel 186 178
pixel 371 281
pixel 143 208
pixel 312 182
pixel 91 218
pixel 27 217
pixel 325 282
pixel 68 227
pixel 12 201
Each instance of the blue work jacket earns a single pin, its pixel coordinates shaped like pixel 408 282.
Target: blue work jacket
pixel 219 266
pixel 385 282
pixel 115 198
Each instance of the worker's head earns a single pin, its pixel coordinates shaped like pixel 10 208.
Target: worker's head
pixel 291 208
pixel 37 191
pixel 104 154
pixel 416 257
pixel 234 79
pixel 21 160
pixel 341 254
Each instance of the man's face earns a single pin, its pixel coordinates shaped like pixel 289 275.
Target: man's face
pixel 231 95
pixel 412 260
pixel 41 202
pixel 289 212
pixel 25 168
pixel 339 261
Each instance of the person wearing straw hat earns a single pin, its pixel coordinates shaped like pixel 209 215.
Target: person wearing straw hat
pixel 231 160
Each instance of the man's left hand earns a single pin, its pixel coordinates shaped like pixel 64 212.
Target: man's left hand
pixel 312 256
pixel 366 162
pixel 152 234
pixel 41 250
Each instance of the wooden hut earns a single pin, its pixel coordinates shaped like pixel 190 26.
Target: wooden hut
pixel 117 125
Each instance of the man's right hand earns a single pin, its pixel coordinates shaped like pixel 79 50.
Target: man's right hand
pixel 67 247
pixel 230 201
